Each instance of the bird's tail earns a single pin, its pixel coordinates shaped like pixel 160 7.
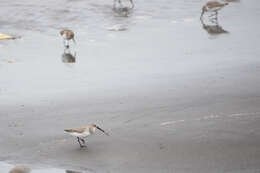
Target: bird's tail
pixel 68 130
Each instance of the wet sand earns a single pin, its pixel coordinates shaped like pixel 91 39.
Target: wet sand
pixel 173 96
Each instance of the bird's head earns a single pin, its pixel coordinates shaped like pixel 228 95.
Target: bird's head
pixel 62 32
pixel 95 126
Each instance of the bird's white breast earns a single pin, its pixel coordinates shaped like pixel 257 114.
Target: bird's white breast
pixel 64 36
pixel 84 134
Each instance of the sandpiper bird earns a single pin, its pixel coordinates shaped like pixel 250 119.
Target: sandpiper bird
pixel 213 6
pixel 67 35
pixel 120 3
pixel 83 132
pixel 20 169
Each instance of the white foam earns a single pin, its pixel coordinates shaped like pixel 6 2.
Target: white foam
pixel 117 27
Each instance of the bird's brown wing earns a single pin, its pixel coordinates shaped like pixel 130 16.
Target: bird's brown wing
pixel 76 130
pixel 214 4
pixel 70 34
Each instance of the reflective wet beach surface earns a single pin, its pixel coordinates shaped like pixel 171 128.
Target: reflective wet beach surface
pixel 156 64
pixel 158 38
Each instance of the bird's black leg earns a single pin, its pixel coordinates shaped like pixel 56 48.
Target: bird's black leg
pixel 82 140
pixel 133 5
pixel 64 42
pixel 114 5
pixel 120 3
pixel 215 15
pixel 215 19
pixel 212 14
pixel 79 142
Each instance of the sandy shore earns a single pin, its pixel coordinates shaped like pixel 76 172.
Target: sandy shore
pixel 200 128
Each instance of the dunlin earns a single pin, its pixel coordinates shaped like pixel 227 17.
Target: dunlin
pixel 213 6
pixel 83 132
pixel 67 36
pixel 20 169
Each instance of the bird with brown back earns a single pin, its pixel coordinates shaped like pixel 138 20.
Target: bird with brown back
pixel 67 35
pixel 213 6
pixel 83 132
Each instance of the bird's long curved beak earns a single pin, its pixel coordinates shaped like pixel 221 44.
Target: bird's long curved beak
pixel 102 130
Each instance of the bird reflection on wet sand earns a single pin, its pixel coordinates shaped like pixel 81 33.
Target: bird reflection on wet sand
pixel 67 57
pixel 69 171
pixel 118 2
pixel 123 11
pixel 213 28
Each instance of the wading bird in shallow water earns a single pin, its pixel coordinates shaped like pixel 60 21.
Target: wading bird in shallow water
pixel 83 132
pixel 120 3
pixel 67 36
pixel 212 6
